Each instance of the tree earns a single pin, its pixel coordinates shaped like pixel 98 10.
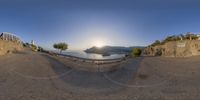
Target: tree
pixel 188 36
pixel 181 36
pixel 172 38
pixel 61 46
pixel 191 36
pixel 157 42
pixel 136 52
pixel 195 37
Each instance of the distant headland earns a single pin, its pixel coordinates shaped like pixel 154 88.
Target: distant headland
pixel 108 50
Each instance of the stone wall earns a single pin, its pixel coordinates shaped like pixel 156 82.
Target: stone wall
pixel 185 48
pixel 9 47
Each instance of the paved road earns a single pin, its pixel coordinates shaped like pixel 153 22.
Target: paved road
pixel 36 76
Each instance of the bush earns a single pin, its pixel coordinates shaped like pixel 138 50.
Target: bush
pixel 40 49
pixel 157 42
pixel 136 52
pixel 34 47
pixel 26 44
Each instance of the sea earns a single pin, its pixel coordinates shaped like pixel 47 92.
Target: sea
pixel 83 54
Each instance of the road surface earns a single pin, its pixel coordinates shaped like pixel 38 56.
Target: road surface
pixel 36 76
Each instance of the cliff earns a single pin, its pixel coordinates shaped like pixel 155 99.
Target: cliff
pixel 184 48
pixel 9 47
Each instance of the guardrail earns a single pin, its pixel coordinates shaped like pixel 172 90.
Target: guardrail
pixel 95 61
pixel 9 37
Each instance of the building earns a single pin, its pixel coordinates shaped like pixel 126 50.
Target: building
pixel 33 42
pixel 9 37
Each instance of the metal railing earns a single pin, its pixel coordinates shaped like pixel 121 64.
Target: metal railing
pixel 95 61
pixel 9 37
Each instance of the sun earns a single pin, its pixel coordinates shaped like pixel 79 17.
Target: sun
pixel 99 43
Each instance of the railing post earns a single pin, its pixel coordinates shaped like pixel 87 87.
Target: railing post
pixel 2 36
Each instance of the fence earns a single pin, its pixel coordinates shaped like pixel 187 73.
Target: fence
pixel 9 37
pixel 96 61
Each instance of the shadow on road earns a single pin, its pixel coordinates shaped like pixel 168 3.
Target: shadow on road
pixel 58 67
pixel 96 80
pixel 126 74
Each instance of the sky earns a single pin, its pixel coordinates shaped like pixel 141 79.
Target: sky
pixel 86 23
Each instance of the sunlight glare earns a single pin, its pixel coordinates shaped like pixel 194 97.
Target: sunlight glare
pixel 99 43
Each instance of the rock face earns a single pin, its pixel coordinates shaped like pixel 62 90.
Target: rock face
pixel 9 47
pixel 185 48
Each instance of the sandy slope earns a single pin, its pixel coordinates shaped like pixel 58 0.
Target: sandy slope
pixel 35 76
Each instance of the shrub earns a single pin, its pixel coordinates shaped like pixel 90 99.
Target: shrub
pixel 26 44
pixel 136 52
pixel 34 47
pixel 40 49
pixel 157 42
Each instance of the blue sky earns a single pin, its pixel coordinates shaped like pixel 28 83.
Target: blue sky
pixel 84 23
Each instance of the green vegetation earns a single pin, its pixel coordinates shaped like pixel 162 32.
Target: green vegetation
pixel 157 42
pixel 26 44
pixel 34 47
pixel 61 46
pixel 40 49
pixel 136 52
pixel 186 36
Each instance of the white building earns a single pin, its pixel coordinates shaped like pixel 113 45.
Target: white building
pixel 32 42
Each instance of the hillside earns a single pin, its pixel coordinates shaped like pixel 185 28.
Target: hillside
pixel 182 45
pixel 9 47
pixel 184 48
pixel 112 50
